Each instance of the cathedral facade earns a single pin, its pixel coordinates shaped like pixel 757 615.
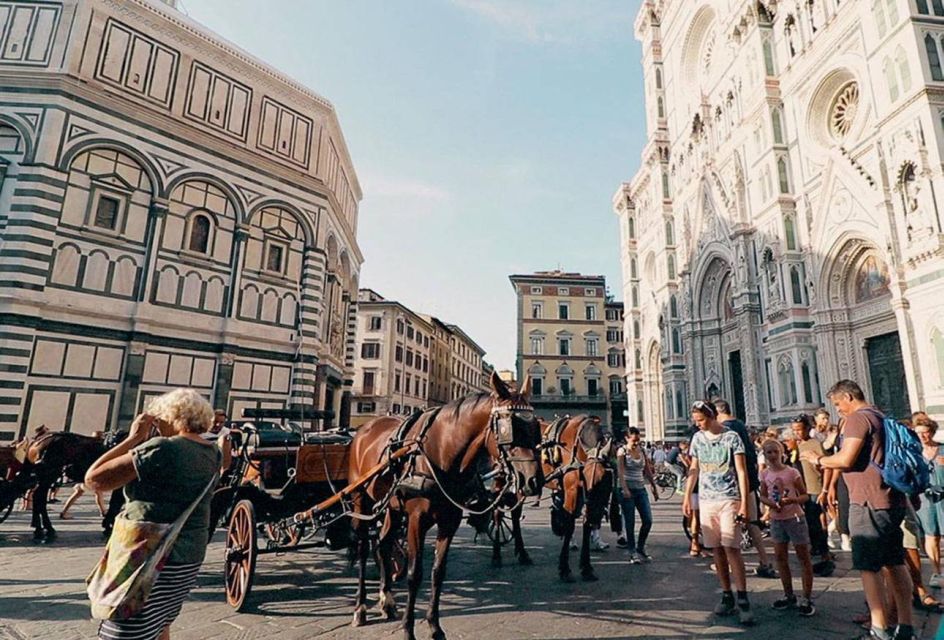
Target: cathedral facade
pixel 784 229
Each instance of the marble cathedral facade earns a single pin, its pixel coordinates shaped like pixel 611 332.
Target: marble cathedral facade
pixel 784 229
pixel 173 212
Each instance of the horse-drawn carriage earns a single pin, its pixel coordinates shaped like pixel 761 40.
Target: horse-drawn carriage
pixel 279 469
pixel 392 481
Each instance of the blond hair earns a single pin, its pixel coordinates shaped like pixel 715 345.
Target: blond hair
pixel 184 409
pixel 773 443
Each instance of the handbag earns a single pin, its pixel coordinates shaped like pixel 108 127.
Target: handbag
pixel 121 582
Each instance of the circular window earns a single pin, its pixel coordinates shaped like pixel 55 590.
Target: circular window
pixel 842 114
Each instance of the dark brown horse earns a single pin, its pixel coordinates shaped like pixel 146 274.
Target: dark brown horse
pixel 48 458
pixel 455 446
pixel 576 454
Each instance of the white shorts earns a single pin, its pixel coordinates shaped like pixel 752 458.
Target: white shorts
pixel 719 526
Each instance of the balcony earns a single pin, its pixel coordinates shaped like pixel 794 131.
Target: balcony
pixel 569 398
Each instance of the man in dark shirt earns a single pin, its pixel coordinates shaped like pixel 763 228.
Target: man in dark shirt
pixel 876 510
pixel 765 569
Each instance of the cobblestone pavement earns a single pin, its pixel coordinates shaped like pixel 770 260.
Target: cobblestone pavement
pixel 310 594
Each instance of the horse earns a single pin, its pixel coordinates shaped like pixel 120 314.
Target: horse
pixel 48 458
pixel 575 459
pixel 488 434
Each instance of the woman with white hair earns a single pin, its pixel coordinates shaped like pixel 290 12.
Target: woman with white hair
pixel 163 466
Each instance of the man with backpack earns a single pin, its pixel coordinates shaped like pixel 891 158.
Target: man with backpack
pixel 876 508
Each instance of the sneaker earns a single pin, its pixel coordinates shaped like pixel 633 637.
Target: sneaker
pixel 643 556
pixel 599 545
pixel 936 580
pixel 633 558
pixel 806 607
pixel 726 607
pixel 786 602
pixel 846 542
pixel 765 571
pixel 745 615
pixel 621 542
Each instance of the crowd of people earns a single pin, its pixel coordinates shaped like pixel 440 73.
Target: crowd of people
pixel 816 485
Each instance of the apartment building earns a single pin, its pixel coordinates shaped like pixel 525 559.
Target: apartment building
pixel 563 344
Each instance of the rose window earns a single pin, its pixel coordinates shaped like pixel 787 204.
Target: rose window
pixel 844 109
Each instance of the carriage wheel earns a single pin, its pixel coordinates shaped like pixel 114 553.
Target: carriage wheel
pixel 239 561
pixel 499 529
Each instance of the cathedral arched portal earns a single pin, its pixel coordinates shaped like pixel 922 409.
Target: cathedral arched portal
pixel 856 327
pixel 715 341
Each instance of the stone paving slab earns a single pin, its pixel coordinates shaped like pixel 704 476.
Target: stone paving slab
pixel 310 594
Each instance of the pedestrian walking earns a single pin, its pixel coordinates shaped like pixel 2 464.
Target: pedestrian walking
pixel 784 491
pixel 719 468
pixel 635 471
pixel 876 511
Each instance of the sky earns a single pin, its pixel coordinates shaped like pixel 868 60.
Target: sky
pixel 488 136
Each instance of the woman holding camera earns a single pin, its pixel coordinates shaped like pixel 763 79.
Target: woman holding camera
pixel 163 466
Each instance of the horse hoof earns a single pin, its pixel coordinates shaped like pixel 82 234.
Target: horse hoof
pixel 360 617
pixel 438 634
pixel 525 560
pixel 567 577
pixel 38 536
pixel 589 576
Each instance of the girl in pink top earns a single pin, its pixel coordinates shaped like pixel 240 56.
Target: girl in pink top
pixel 782 489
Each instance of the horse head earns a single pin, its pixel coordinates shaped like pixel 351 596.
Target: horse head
pixel 515 435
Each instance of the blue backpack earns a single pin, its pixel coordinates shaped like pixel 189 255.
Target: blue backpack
pixel 905 468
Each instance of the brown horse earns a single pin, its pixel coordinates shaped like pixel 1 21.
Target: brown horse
pixel 48 458
pixel 455 445
pixel 576 454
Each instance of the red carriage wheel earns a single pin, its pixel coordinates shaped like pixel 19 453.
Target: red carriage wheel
pixel 239 562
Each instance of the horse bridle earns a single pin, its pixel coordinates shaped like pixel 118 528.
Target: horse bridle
pixel 502 423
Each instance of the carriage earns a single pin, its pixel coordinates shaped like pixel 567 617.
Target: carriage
pixel 279 470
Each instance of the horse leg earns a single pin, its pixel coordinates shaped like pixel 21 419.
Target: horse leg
pixel 586 570
pixel 42 527
pixel 360 603
pixel 447 528
pixel 496 543
pixel 520 551
pixel 416 533
pixel 563 562
pixel 387 604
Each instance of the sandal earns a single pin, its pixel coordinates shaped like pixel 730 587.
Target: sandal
pixel 928 603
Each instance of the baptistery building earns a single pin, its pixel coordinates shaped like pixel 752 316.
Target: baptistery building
pixel 784 229
pixel 173 212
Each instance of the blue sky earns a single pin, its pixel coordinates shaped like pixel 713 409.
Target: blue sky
pixel 488 136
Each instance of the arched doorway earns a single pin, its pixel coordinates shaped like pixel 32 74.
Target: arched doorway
pixel 716 339
pixel 857 330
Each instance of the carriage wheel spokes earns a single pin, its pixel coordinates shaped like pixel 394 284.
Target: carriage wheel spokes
pixel 499 529
pixel 239 561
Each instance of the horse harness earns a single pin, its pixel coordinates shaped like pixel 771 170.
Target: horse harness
pixel 411 481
